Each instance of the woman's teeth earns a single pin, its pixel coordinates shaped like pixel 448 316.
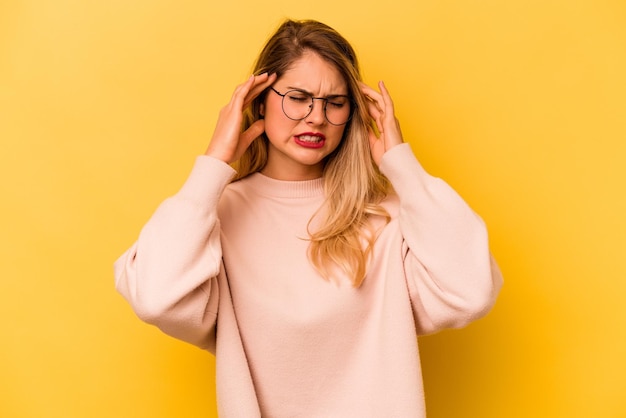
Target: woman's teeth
pixel 309 138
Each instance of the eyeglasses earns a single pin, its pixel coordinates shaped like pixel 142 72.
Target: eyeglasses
pixel 298 104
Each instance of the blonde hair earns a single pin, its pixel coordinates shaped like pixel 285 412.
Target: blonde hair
pixel 354 187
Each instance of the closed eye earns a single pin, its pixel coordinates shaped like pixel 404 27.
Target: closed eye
pixel 337 105
pixel 337 101
pixel 299 97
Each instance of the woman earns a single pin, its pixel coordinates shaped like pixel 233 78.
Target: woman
pixel 311 268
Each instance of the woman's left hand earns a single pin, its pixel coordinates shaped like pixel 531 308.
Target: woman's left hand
pixel 380 108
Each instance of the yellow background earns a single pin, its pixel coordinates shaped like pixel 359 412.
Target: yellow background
pixel 519 104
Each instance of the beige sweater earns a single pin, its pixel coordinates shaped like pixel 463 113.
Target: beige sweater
pixel 224 266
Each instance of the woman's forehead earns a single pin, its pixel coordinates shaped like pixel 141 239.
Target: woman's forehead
pixel 313 74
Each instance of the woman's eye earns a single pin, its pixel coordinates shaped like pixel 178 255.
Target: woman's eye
pixel 299 98
pixel 337 102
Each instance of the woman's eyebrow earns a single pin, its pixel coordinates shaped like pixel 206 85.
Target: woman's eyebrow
pixel 312 95
pixel 299 89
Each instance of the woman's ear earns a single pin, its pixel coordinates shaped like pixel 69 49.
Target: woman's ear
pixel 262 109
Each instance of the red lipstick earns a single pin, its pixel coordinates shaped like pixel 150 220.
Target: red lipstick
pixel 310 139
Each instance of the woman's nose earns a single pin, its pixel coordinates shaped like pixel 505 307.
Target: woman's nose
pixel 317 115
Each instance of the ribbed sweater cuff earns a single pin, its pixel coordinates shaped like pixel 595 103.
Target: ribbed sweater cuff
pixel 207 181
pixel 400 161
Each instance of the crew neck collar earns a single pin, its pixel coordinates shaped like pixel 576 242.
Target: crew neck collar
pixel 268 186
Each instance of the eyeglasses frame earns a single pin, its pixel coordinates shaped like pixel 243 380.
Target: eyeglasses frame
pixel 313 98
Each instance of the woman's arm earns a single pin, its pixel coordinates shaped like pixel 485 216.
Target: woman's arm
pixel 169 275
pixel 451 275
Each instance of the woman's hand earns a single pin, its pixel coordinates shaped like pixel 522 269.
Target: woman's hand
pixel 228 142
pixel 380 108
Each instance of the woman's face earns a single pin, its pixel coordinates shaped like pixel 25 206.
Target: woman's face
pixel 297 148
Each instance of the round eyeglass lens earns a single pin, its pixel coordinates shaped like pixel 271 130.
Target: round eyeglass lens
pixel 298 105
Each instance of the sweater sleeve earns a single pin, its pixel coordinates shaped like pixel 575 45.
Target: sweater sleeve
pixel 451 276
pixel 169 276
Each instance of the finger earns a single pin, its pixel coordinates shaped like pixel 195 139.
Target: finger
pixel 257 80
pixel 391 121
pixel 376 146
pixel 247 86
pixel 242 88
pixel 376 112
pixel 372 94
pixel 386 106
pixel 376 104
pixel 254 131
pixel 365 88
pixel 373 109
pixel 376 115
pixel 248 90
pixel 386 97
pixel 238 96
pixel 261 83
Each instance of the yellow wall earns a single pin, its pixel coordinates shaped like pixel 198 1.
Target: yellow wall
pixel 519 104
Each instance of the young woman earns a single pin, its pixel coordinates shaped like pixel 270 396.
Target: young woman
pixel 311 267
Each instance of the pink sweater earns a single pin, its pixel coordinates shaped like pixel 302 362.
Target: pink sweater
pixel 223 266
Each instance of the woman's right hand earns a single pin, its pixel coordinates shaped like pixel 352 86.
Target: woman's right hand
pixel 228 142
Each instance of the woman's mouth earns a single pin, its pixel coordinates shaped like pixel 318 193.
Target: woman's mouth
pixel 310 140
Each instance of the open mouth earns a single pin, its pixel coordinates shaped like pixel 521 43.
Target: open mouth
pixel 310 140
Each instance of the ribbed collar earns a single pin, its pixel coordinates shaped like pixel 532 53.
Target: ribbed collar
pixel 267 186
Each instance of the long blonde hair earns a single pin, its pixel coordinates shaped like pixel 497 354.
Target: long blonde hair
pixel 354 187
